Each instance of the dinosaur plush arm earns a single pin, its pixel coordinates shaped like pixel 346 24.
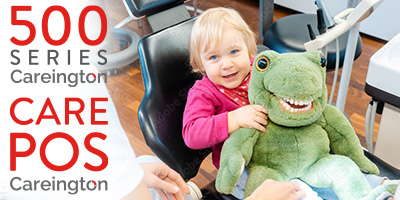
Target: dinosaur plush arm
pixel 343 139
pixel 236 153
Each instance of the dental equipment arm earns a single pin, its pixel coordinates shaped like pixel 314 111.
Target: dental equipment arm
pixel 354 16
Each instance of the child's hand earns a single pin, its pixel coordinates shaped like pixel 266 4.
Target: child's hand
pixel 250 116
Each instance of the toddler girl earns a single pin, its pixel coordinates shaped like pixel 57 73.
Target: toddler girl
pixel 221 46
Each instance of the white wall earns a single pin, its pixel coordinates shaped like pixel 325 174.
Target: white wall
pixel 383 23
pixel 308 6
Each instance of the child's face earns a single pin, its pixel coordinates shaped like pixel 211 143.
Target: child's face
pixel 228 64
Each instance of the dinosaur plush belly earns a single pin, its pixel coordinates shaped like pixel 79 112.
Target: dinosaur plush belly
pixel 291 151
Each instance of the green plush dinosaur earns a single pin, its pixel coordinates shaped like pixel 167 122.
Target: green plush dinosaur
pixel 301 130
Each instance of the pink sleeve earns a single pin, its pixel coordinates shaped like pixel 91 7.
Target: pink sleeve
pixel 202 128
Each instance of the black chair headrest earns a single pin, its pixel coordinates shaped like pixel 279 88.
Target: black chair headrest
pixel 167 76
pixel 141 8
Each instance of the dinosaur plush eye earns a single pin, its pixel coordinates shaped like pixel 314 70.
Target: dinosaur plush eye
pixel 262 64
pixel 323 61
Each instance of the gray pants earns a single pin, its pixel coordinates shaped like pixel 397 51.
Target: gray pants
pixel 326 193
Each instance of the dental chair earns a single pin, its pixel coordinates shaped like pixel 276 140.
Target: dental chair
pixel 167 79
pixel 167 76
pixel 164 59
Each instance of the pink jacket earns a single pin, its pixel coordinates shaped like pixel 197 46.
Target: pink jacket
pixel 205 120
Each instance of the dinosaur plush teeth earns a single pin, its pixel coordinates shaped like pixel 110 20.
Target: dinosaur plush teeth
pixel 295 106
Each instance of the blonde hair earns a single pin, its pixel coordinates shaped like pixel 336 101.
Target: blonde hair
pixel 209 27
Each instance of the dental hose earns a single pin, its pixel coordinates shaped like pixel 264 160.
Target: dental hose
pixel 370 124
pixel 322 28
pixel 336 72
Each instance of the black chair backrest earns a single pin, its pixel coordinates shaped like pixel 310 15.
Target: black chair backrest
pixel 148 7
pixel 167 76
